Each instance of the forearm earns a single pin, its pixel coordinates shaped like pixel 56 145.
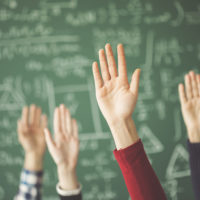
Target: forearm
pixel 124 132
pixel 140 178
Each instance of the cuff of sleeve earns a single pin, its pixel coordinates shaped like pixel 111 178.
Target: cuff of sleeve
pixel 37 173
pixel 126 157
pixel 62 192
pixel 31 177
pixel 130 152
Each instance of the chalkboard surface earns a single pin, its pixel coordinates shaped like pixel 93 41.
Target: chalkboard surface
pixel 46 51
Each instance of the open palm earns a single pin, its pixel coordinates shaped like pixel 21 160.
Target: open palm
pixel 116 97
pixel 190 101
pixel 30 130
pixel 64 148
pixel 191 112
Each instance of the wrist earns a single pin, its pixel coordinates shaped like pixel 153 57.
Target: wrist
pixel 124 132
pixel 67 177
pixel 64 168
pixel 194 135
pixel 33 161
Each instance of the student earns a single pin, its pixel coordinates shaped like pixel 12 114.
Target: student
pixel 117 100
pixel 64 149
pixel 190 106
pixel 31 137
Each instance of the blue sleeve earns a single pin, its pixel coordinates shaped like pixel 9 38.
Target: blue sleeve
pixel 30 185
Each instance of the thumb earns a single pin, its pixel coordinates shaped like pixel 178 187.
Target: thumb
pixel 134 85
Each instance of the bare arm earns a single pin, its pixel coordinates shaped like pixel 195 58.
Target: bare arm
pixel 116 97
pixel 190 105
pixel 31 137
pixel 64 148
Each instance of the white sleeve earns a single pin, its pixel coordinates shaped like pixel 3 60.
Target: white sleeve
pixel 62 192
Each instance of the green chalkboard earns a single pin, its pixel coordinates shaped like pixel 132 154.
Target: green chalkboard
pixel 46 51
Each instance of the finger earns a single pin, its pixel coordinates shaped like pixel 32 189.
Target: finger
pixel 188 87
pixel 75 128
pixel 182 95
pixel 111 61
pixel 198 82
pixel 121 62
pixel 44 121
pixel 57 120
pixel 68 122
pixel 194 84
pixel 104 66
pixel 49 140
pixel 25 116
pixel 32 114
pixel 134 86
pixel 97 76
pixel 37 116
pixel 63 118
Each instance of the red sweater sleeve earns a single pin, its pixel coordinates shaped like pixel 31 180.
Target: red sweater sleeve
pixel 140 178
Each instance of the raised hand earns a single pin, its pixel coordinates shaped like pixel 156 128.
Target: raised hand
pixel 190 105
pixel 64 148
pixel 115 95
pixel 31 136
